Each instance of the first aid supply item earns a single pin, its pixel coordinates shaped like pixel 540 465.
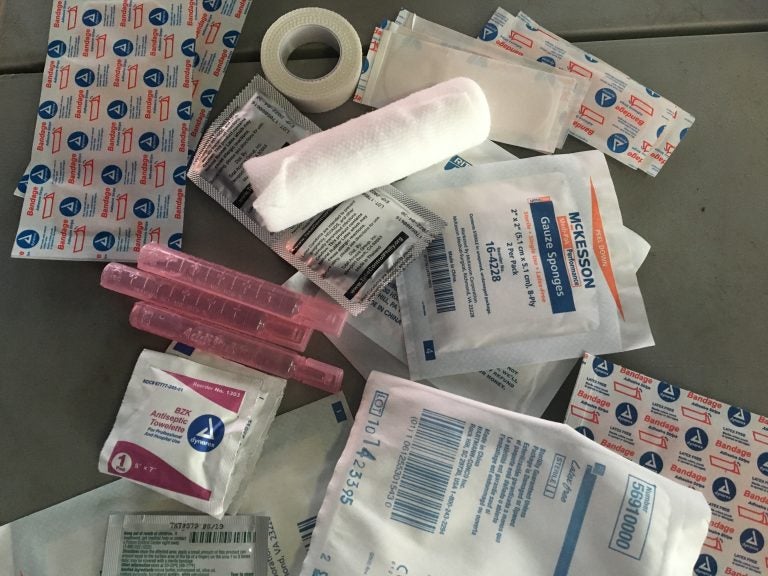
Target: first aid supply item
pixel 204 305
pixel 177 544
pixel 352 251
pixel 237 347
pixel 288 486
pixel 249 290
pixel 305 26
pixel 533 268
pixel 183 427
pixel 477 486
pixel 618 116
pixel 526 105
pixel 111 134
pixel 713 447
pixel 318 172
pixel 217 26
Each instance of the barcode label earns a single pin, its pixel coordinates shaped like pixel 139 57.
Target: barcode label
pixel 305 530
pixel 221 537
pixel 427 470
pixel 440 273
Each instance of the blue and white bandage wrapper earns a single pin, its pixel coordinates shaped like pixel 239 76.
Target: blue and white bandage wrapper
pixel 432 483
pixel 299 181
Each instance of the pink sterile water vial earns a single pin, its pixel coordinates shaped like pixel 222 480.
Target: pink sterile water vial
pixel 236 347
pixel 262 294
pixel 204 305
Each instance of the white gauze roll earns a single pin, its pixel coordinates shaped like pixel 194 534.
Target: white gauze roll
pixel 296 182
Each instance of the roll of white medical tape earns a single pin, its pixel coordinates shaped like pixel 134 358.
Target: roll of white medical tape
pixel 304 26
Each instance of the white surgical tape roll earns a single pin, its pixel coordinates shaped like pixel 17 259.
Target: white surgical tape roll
pixel 305 26
pixel 298 181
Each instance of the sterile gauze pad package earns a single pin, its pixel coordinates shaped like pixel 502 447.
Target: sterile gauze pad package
pixel 550 278
pixel 351 251
pixel 713 447
pixel 288 485
pixel 526 104
pixel 618 115
pixel 183 544
pixel 297 182
pixel 189 431
pixel 432 483
pixel 111 132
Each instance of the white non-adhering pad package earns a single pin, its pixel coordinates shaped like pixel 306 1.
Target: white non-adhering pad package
pixel 180 544
pixel 288 485
pixel 296 182
pixel 529 107
pixel 713 447
pixel 112 132
pixel 534 266
pixel 184 428
pixel 351 251
pixel 478 487
pixel 618 116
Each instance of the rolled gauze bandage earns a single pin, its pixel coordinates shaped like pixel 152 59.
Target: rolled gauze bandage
pixel 301 180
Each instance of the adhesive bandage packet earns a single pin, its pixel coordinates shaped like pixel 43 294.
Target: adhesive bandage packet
pixel 476 485
pixel 189 431
pixel 288 486
pixel 217 29
pixel 296 182
pixel 529 107
pixel 381 231
pixel 710 446
pixel 618 115
pixel 178 544
pixel 111 133
pixel 534 266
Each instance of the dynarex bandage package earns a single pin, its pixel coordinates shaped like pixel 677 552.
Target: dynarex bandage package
pixel 432 483
pixel 618 115
pixel 534 266
pixel 189 431
pixel 710 446
pixel 529 107
pixel 178 544
pixel 351 251
pixel 297 182
pixel 112 132
pixel 288 486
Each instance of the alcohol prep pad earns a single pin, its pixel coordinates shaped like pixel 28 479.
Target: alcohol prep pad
pixel 479 488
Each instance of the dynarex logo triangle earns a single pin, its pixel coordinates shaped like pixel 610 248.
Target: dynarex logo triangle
pixel 706 566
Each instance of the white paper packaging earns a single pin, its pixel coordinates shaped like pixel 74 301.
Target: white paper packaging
pixel 710 446
pixel 288 485
pixel 432 483
pixel 551 278
pixel 183 427
pixel 526 104
pixel 383 230
pixel 297 182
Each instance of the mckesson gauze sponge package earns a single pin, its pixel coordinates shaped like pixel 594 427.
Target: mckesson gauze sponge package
pixel 432 483
pixel 535 265
pixel 190 431
pixel 299 181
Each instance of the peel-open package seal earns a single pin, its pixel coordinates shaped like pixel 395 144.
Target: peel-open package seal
pixel 217 31
pixel 534 266
pixel 111 133
pixel 479 487
pixel 189 431
pixel 713 447
pixel 288 486
pixel 351 251
pixel 529 107
pixel 618 116
pixel 183 544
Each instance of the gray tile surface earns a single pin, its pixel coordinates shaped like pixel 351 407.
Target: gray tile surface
pixel 67 350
